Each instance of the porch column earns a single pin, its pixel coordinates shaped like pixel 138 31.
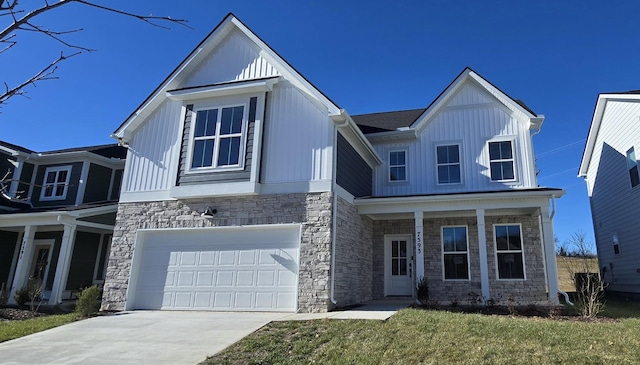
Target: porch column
pixel 482 252
pixel 419 246
pixel 64 262
pixel 549 254
pixel 24 262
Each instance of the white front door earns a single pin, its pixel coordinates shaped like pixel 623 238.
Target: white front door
pixel 397 265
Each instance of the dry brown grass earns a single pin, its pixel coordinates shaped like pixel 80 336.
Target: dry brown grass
pixel 568 264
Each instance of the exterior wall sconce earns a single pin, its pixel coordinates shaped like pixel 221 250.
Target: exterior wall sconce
pixel 209 213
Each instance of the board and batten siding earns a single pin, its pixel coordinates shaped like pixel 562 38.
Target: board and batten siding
pixel 471 119
pixel 235 59
pixel 298 138
pixel 614 203
pixel 97 188
pixel 352 171
pixel 217 176
pixel 153 150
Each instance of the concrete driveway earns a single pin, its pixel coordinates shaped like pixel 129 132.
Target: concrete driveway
pixel 140 337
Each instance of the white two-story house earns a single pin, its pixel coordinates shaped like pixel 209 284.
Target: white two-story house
pixel 246 188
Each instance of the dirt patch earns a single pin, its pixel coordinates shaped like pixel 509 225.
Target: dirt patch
pixel 18 314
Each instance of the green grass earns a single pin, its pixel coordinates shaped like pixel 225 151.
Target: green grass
pixel 14 329
pixel 438 337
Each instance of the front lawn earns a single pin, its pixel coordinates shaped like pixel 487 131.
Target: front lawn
pixel 416 336
pixel 16 328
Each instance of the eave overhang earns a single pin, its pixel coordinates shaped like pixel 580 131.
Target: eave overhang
pixel 509 199
pixel 223 89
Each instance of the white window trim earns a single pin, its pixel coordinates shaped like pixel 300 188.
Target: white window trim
pixel 521 251
pixel 406 167
pixel 455 252
pixel 442 144
pixel 56 169
pixel 243 138
pixel 513 159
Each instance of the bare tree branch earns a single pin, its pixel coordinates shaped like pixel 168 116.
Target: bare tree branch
pixel 21 20
pixel 44 74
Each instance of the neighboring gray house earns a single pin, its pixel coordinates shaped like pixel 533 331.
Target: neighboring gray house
pixel 246 188
pixel 610 169
pixel 57 213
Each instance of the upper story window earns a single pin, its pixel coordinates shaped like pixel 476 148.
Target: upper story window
pixel 398 166
pixel 509 253
pixel 56 183
pixel 632 166
pixel 455 253
pixel 217 138
pixel 448 162
pixel 501 161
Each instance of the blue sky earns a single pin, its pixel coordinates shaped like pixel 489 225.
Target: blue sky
pixel 367 56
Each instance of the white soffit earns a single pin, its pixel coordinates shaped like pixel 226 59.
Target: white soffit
pixel 209 91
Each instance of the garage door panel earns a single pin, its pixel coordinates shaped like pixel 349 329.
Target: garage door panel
pixel 244 269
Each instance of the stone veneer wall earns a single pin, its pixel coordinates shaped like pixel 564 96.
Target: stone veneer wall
pixel 530 291
pixel 354 255
pixel 313 211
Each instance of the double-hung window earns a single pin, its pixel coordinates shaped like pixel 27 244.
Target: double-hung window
pixel 217 138
pixel 56 183
pixel 397 166
pixel 509 253
pixel 455 250
pixel 501 161
pixel 448 162
pixel 632 167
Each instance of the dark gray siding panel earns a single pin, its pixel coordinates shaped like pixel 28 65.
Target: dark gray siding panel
pixel 8 242
pixel 6 165
pixel 117 185
pixel 109 218
pixel 106 242
pixel 213 177
pixel 352 171
pixel 83 260
pixel 57 237
pixel 72 191
pixel 25 181
pixel 97 188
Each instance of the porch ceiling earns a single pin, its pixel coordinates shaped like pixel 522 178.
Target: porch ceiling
pixel 531 211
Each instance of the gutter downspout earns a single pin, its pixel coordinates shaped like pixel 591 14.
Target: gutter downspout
pixel 553 213
pixel 334 217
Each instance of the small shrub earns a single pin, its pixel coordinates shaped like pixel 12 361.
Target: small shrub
pixel 512 306
pixel 34 290
pixel 88 302
pixel 422 290
pixel 22 296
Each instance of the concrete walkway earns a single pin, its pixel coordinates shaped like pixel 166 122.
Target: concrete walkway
pixel 159 337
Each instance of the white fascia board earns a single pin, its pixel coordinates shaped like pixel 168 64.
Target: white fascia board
pixel 502 97
pixel 145 196
pixel 125 131
pixel 398 135
pixel 247 87
pixel 316 186
pixel 357 139
pixel 51 217
pixel 596 121
pixel 211 190
pixel 286 70
pixel 456 202
pixel 536 122
pixel 79 156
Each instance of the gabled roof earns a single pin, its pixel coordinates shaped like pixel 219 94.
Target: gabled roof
pixel 596 121
pixel 199 54
pixel 14 147
pixel 419 118
pixel 106 150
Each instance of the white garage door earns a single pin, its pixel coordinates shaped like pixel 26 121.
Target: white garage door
pixel 230 269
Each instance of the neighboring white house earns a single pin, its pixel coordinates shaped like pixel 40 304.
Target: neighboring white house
pixel 246 188
pixel 610 169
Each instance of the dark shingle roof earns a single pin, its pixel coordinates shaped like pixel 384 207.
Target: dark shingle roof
pixel 386 121
pixel 522 104
pixel 15 147
pixel 106 150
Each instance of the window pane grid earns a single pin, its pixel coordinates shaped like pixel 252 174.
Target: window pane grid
pixel 455 253
pixel 217 138
pixel 399 258
pixel 55 183
pixel 397 166
pixel 509 253
pixel 501 161
pixel 448 164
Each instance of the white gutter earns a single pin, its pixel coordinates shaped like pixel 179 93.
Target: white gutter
pixel 334 217
pixel 551 215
